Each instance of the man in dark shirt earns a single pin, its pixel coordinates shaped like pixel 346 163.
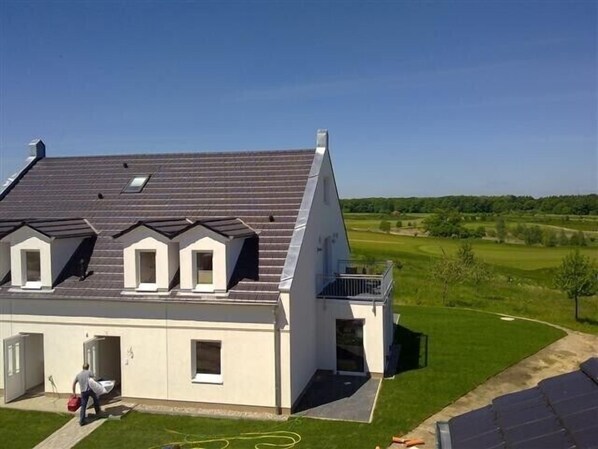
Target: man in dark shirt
pixel 83 380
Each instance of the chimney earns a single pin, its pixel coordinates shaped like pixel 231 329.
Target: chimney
pixel 322 139
pixel 37 149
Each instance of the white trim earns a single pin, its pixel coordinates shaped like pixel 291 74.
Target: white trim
pixel 207 379
pixel 147 287
pixel 32 285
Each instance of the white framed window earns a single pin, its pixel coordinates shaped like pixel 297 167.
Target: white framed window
pixel 146 271
pixel 204 268
pixel 207 361
pixel 32 272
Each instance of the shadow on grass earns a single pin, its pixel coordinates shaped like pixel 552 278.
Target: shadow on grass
pixel 414 349
pixel 589 321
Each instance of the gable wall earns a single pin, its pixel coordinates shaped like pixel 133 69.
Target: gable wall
pixel 325 220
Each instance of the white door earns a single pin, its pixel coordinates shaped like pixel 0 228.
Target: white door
pixel 91 354
pixel 14 364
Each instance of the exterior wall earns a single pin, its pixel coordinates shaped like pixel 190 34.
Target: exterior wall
pixel 330 310
pixel 4 259
pixel 26 239
pixel 325 220
pixel 147 240
pixel 155 345
pixel 232 255
pixel 201 239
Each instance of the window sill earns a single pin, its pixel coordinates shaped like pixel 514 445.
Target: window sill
pixel 204 288
pixel 32 286
pixel 147 288
pixel 215 379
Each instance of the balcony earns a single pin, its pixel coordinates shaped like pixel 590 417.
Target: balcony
pixel 358 280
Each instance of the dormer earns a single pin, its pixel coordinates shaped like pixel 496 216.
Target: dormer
pixel 209 250
pixel 39 250
pixel 150 257
pixel 203 252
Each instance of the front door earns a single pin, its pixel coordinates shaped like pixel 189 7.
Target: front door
pixel 349 347
pixel 91 354
pixel 14 363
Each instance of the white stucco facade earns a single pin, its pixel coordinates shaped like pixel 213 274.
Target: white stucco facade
pixel 269 351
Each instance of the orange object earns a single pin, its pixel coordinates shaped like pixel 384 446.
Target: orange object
pixel 414 442
pixel 398 440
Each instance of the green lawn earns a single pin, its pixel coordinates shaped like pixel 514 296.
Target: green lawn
pixel 24 429
pixel 465 348
pixel 522 282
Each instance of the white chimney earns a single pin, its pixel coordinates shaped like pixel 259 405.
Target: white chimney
pixel 37 149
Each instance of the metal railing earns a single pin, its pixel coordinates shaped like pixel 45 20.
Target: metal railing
pixel 370 280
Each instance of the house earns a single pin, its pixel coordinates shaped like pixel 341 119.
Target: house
pixel 216 279
pixel 561 412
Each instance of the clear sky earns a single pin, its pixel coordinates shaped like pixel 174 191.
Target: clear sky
pixel 420 98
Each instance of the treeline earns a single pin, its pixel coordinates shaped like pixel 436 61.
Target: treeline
pixel 561 205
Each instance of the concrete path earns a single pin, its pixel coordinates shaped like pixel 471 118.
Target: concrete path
pixel 560 357
pixel 70 434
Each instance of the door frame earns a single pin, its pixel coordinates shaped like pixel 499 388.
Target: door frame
pixel 14 347
pixel 350 373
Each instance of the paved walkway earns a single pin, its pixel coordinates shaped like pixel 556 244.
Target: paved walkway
pixel 70 434
pixel 337 397
pixel 560 357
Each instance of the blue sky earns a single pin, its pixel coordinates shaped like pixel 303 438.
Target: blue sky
pixel 420 98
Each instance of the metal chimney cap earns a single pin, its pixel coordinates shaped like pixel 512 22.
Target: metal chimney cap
pixel 322 139
pixel 37 149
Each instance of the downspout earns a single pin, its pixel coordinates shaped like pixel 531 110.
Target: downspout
pixel 277 380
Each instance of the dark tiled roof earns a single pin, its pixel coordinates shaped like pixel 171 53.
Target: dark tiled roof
pixel 561 412
pixel 59 228
pixel 263 189
pixel 230 227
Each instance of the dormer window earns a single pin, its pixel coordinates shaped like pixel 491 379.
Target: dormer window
pixel 136 184
pixel 146 267
pixel 32 272
pixel 204 267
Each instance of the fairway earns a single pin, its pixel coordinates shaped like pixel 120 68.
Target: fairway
pixel 521 280
pixel 508 255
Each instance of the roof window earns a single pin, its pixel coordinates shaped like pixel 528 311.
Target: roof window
pixel 136 184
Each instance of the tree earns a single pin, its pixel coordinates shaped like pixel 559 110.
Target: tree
pixel 445 223
pixel 577 276
pixel 448 271
pixel 563 239
pixel 501 229
pixel 549 238
pixel 385 226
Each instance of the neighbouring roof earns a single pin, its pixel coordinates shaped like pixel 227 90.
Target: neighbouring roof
pixel 561 412
pixel 229 227
pixel 59 228
pixel 261 190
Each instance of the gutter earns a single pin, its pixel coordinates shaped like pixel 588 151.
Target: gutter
pixel 277 375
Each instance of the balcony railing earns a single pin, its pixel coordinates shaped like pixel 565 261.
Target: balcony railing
pixel 357 280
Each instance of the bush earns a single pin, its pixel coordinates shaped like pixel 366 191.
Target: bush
pixel 385 226
pixel 399 224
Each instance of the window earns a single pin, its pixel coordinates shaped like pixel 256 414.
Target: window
pixel 33 272
pixel 207 363
pixel 136 184
pixel 204 268
pixel 147 270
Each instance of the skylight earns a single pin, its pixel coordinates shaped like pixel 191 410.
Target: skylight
pixel 136 184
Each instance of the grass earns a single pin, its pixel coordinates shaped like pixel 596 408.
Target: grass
pixel 465 348
pixel 24 429
pixel 522 282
